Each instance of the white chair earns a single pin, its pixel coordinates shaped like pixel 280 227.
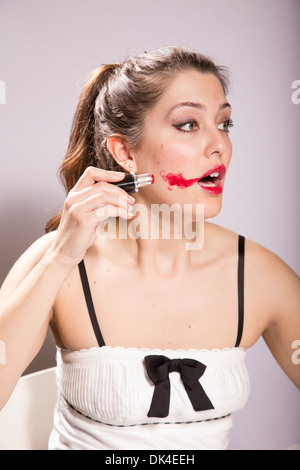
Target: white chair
pixel 26 420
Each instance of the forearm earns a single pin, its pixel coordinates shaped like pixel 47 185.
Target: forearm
pixel 24 318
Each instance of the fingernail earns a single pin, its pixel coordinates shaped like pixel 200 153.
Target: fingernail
pixel 131 198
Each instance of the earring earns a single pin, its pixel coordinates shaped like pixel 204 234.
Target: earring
pixel 130 166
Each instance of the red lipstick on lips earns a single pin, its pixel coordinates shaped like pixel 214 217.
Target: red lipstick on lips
pixel 212 185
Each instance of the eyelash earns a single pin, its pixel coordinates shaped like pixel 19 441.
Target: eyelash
pixel 228 122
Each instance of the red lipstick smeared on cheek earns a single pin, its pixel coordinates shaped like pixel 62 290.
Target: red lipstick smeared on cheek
pixel 177 180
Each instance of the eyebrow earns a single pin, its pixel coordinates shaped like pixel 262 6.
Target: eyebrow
pixel 199 106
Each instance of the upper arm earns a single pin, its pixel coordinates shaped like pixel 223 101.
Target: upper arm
pixel 19 348
pixel 282 287
pixel 24 264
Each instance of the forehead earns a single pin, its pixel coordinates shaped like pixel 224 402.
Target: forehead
pixel 193 86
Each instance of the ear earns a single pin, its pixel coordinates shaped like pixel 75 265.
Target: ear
pixel 119 150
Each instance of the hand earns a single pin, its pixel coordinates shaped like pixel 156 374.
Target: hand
pixel 91 201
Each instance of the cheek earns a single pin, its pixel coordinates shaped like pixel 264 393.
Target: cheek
pixel 177 162
pixel 175 155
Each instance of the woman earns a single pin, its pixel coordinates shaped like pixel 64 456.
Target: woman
pixel 151 332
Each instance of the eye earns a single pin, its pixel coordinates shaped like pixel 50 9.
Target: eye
pixel 225 125
pixel 187 126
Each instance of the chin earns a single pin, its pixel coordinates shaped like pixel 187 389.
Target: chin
pixel 202 210
pixel 212 209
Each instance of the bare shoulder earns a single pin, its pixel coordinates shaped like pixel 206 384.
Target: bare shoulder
pixel 272 300
pixel 272 286
pixel 274 292
pixel 269 280
pixel 268 267
pixel 260 260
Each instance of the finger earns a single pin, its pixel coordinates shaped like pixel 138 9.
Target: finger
pixel 93 174
pixel 100 187
pixel 101 199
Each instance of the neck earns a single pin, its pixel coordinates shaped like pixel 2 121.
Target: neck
pixel 162 244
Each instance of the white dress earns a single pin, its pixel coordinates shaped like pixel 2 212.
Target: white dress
pixel 115 398
pixel 105 394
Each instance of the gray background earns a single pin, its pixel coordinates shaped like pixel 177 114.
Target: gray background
pixel 47 49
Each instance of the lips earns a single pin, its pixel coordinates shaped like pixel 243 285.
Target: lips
pixel 211 180
pixel 220 169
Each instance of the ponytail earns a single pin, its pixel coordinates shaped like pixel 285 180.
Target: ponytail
pixel 81 151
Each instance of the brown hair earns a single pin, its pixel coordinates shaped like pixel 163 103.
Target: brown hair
pixel 115 99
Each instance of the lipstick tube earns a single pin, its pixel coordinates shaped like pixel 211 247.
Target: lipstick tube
pixel 132 182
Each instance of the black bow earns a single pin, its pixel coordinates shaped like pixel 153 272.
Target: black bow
pixel 159 368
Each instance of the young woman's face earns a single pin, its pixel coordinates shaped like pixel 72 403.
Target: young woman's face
pixel 185 136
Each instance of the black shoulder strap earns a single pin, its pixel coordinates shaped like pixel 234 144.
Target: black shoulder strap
pixel 241 264
pixel 89 303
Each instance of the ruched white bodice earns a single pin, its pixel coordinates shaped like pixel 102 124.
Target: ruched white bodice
pixel 104 395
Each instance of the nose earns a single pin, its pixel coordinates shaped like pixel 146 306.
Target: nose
pixel 215 142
